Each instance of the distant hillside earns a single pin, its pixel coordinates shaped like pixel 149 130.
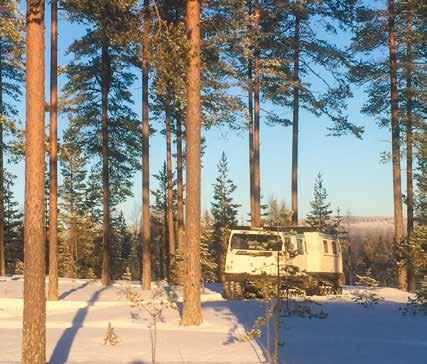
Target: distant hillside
pixel 360 227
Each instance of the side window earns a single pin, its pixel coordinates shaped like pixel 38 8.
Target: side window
pixel 288 244
pixel 325 246
pixel 300 246
pixel 334 247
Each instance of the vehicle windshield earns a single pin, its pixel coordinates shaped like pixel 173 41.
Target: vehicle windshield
pixel 256 242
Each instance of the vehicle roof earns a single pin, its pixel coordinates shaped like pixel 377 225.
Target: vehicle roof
pixel 280 229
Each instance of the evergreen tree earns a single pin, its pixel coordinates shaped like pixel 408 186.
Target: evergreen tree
pixel 160 220
pixel 74 214
pixel 208 249
pixel 340 229
pixel 13 226
pixel 302 50
pixel 11 78
pixel 394 86
pixel 122 245
pixel 224 212
pixel 319 216
pixel 100 101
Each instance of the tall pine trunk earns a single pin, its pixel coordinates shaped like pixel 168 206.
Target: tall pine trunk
pixel 409 147
pixel 106 238
pixel 295 121
pixel 251 125
pixel 395 140
pixel 256 214
pixel 53 159
pixel 192 313
pixel 146 215
pixel 180 197
pixel 251 138
pixel 34 316
pixel 169 190
pixel 2 215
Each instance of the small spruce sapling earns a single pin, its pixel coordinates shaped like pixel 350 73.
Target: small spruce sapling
pixel 366 295
pixel 111 337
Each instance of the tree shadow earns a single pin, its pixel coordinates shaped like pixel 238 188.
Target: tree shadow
pixel 72 290
pixel 246 317
pixel 63 346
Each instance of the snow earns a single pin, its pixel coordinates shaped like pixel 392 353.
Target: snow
pixel 77 325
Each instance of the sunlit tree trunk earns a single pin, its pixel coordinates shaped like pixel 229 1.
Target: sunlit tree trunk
pixel 395 140
pixel 106 238
pixel 295 121
pixel 256 213
pixel 169 191
pixel 2 255
pixel 409 146
pixel 53 160
pixel 146 215
pixel 34 316
pixel 192 313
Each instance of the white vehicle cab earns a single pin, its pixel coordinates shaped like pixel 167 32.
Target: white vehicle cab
pixel 256 253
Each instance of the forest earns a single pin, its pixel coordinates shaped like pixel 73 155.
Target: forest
pixel 79 138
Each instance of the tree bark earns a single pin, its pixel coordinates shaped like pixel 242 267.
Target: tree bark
pixel 395 137
pixel 34 316
pixel 180 197
pixel 169 191
pixel 251 139
pixel 146 215
pixel 2 215
pixel 295 121
pixel 256 214
pixel 106 239
pixel 409 148
pixel 53 159
pixel 192 313
pixel 251 126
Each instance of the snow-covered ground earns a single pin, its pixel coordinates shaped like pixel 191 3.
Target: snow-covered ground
pixel 77 326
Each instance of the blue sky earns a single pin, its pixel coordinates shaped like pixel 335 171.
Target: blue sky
pixel 354 177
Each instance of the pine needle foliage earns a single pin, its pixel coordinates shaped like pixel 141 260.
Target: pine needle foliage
pixel 111 23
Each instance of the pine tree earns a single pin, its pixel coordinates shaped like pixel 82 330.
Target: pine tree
pixel 300 51
pixel 145 266
pixel 11 78
pixel 34 325
pixel 394 94
pixel 224 212
pixel 320 214
pixel 98 84
pixel 192 313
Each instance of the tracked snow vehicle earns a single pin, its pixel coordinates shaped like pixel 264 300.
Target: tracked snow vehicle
pixel 258 255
